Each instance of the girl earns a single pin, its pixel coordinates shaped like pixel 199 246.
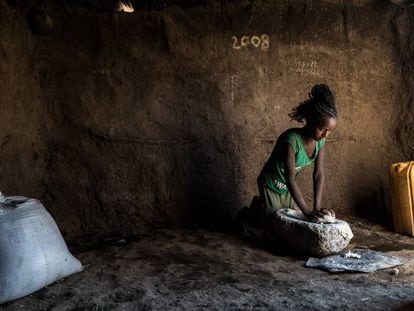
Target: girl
pixel 295 149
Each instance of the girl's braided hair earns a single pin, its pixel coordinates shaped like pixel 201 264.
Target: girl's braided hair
pixel 320 105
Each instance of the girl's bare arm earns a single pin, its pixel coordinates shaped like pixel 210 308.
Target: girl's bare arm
pixel 318 180
pixel 289 167
pixel 318 184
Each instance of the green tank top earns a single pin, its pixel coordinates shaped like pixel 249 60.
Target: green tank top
pixel 273 171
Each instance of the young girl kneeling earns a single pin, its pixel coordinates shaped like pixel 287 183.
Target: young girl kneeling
pixel 295 149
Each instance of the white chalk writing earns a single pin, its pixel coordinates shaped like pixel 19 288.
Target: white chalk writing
pixel 262 42
pixel 305 67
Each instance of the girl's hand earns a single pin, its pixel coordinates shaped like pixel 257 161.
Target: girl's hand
pixel 327 212
pixel 314 215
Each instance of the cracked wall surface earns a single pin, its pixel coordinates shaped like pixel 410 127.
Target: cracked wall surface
pixel 125 122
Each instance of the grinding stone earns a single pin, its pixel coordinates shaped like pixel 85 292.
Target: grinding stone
pixel 321 239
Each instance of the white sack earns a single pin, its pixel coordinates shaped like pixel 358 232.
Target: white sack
pixel 33 253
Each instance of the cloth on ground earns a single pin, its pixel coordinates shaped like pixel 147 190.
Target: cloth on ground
pixel 369 261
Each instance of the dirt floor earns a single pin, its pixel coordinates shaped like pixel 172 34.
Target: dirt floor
pixel 183 269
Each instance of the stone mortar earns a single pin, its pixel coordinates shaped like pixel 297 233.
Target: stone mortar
pixel 320 239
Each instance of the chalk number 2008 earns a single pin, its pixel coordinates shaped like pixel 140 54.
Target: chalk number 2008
pixel 262 42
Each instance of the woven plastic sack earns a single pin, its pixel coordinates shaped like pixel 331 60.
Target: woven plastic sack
pixel 33 253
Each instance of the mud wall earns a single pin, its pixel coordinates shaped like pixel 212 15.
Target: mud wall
pixel 123 122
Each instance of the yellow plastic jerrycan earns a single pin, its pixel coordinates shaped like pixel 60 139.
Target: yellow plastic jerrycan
pixel 402 197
